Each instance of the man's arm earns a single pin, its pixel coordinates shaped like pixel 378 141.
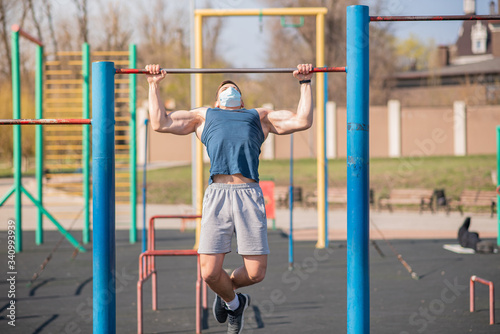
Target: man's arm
pixel 181 122
pixel 284 121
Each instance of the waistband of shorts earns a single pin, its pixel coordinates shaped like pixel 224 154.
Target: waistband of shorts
pixel 234 186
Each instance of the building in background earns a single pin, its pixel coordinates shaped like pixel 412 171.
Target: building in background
pixel 468 70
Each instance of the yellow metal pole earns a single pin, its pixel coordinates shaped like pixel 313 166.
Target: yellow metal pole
pixel 320 77
pixel 198 48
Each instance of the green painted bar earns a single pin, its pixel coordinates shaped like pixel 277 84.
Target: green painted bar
pixel 498 184
pixel 16 114
pixel 133 146
pixel 61 229
pixel 39 140
pixel 86 142
pixel 7 195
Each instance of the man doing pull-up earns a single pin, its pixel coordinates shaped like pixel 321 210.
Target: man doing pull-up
pixel 233 202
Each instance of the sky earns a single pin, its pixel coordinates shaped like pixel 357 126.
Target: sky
pixel 243 43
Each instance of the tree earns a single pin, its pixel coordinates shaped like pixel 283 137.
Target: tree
pixel 415 54
pixel 289 46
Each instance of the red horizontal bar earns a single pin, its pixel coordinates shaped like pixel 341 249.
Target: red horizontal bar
pixel 228 70
pixel 436 18
pixel 44 121
pixel 171 252
pixel 480 280
pixel 17 28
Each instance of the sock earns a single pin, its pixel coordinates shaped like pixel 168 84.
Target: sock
pixel 233 304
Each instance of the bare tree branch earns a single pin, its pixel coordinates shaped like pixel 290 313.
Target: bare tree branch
pixel 82 14
pixel 50 22
pixel 35 20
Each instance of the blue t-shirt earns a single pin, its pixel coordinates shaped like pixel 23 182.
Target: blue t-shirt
pixel 233 139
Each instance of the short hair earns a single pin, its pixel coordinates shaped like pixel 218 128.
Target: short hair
pixel 223 83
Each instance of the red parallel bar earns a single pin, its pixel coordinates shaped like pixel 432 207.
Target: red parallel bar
pixel 44 121
pixel 227 70
pixel 492 296
pixel 17 28
pixel 436 18
pixel 147 269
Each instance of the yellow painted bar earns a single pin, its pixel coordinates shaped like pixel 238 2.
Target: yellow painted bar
pixel 299 11
pixel 58 72
pixel 63 166
pixel 198 62
pixel 69 53
pixel 65 138
pixel 63 147
pixel 110 53
pixel 63 82
pixel 63 91
pixel 63 100
pixel 320 155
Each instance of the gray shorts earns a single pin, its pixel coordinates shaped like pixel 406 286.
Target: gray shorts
pixel 233 209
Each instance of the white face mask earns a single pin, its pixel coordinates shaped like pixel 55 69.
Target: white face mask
pixel 230 98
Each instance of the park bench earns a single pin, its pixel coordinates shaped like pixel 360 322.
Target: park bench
pixel 281 196
pixel 478 198
pixel 422 197
pixel 335 195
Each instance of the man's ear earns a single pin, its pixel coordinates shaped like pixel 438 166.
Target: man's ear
pixel 242 104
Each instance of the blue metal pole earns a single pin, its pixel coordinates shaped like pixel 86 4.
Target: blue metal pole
pixel 498 185
pixel 325 88
pixel 290 197
pixel 358 294
pixel 103 196
pixel 144 237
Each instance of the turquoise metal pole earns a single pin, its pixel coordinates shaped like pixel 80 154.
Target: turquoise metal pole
pixel 103 194
pixel 39 140
pixel 133 146
pixel 290 201
pixel 358 213
pixel 498 184
pixel 16 114
pixel 86 142
pixel 61 229
pixel 325 87
pixel 144 187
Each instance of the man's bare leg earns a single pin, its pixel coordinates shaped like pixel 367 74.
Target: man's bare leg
pixel 253 271
pixel 215 276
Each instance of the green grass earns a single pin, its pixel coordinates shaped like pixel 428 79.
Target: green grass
pixel 173 185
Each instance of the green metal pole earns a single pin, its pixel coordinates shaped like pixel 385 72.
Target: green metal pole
pixel 86 142
pixel 61 229
pixel 133 146
pixel 498 184
pixel 7 194
pixel 16 114
pixel 39 140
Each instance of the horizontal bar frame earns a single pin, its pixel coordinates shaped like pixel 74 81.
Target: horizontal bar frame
pixel 229 70
pixel 435 18
pixel 45 121
pixel 491 287
pixel 17 28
